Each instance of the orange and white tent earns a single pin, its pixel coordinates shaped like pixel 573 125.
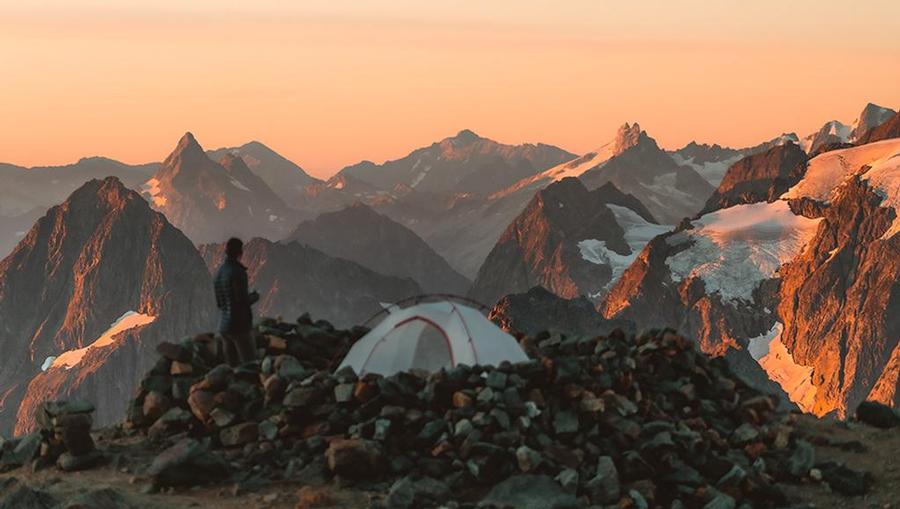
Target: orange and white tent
pixel 430 336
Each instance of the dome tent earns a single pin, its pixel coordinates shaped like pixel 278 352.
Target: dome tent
pixel 429 336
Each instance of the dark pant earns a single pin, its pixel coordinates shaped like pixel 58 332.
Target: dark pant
pixel 238 347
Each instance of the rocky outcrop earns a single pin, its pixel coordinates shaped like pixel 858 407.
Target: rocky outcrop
pixel 285 178
pixel 463 163
pixel 760 177
pixel 568 240
pixel 372 240
pixel 889 129
pixel 807 284
pixel 539 310
pixel 293 279
pixel 840 302
pixel 100 254
pixel 211 201
pixel 871 117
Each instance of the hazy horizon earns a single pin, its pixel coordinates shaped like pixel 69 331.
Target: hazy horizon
pixel 328 84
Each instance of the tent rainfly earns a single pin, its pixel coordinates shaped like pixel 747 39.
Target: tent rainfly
pixel 430 336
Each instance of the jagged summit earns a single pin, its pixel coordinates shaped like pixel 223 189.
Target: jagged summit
pixel 628 136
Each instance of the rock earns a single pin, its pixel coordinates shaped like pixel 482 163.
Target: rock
pixel 528 458
pixel 568 479
pixel 496 380
pixel 268 430
pixel 74 406
pixel 461 400
pixel 21 496
pixel 173 352
pixel 344 392
pixel 721 501
pixel 802 460
pixel 155 404
pixel 77 441
pixel 239 434
pixel 744 434
pixel 845 480
pixel 25 451
pixel 408 493
pixel 529 492
pixel 565 422
pixel 201 403
pixel 187 463
pixel 355 458
pixel 68 462
pixel 463 428
pixel 181 368
pixel 604 487
pixel 222 418
pixel 877 414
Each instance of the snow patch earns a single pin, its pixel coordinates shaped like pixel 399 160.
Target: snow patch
pixel 273 218
pixel 638 232
pixel 776 361
pixel 735 249
pixel 712 171
pixel 238 185
pixel 884 177
pixel 48 362
pixel 127 321
pixel 416 181
pixel 829 170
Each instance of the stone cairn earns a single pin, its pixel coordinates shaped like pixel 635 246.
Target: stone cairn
pixel 645 421
pixel 64 439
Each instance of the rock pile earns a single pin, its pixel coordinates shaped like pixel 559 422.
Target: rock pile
pixel 64 439
pixel 644 422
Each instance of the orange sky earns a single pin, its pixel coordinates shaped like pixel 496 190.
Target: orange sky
pixel 328 83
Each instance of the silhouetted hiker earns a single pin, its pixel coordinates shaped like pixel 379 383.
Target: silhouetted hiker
pixel 234 302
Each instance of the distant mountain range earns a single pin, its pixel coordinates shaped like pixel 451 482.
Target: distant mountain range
pixel 781 257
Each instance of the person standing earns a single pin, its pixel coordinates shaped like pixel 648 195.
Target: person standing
pixel 234 301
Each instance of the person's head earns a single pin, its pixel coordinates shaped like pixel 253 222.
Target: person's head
pixel 234 248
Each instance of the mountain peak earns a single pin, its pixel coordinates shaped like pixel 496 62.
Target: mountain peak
pixel 187 141
pixel 466 136
pixel 626 137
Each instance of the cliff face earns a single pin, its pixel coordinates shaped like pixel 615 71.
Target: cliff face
pixel 568 240
pixel 840 302
pixel 806 284
pixel 759 177
pixel 292 279
pixel 100 254
pixel 372 240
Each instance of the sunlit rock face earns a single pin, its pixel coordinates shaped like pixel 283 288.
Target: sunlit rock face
pixel 821 263
pixel 99 255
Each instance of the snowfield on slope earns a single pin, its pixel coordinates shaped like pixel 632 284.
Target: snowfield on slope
pixel 828 171
pixel 638 232
pixel 736 248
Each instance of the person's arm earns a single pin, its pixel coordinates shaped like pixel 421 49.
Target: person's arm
pixel 239 295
